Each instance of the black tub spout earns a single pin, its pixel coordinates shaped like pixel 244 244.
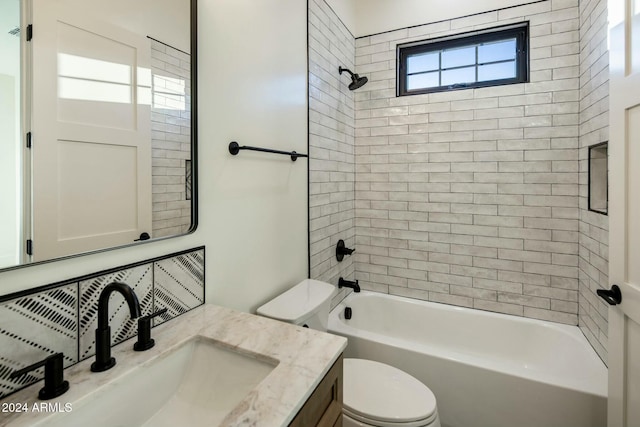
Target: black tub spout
pixel 349 284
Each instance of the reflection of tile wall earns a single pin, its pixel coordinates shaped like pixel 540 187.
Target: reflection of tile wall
pixel 170 139
pixel 64 319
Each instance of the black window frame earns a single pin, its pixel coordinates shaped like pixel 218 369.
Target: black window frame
pixel 520 31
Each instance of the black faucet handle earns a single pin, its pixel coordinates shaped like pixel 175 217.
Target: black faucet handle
pixel 54 383
pixel 342 250
pixel 152 315
pixel 145 342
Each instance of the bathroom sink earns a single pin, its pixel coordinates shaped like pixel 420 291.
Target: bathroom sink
pixel 198 383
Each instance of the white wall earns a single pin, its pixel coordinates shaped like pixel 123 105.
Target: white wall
pixel 9 131
pixel 366 17
pixel 9 45
pixel 252 208
pixel 253 90
pixel 346 12
pixel 8 172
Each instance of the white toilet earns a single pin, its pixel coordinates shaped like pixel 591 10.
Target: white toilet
pixel 374 394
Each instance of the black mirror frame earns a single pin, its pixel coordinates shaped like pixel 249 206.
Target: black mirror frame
pixel 194 156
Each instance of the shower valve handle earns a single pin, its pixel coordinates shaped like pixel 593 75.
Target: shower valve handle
pixel 342 250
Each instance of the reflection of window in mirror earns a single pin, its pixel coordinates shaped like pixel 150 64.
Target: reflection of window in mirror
pixel 598 178
pixel 10 147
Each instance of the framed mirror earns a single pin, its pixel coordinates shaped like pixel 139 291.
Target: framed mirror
pixel 97 125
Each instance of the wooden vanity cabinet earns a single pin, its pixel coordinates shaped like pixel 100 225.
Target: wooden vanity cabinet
pixel 324 407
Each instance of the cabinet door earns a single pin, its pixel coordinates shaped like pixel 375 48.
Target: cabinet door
pixel 324 407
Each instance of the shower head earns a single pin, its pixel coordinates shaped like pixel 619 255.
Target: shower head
pixel 356 80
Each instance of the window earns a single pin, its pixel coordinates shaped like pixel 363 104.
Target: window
pixel 492 57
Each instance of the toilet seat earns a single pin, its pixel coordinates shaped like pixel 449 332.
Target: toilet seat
pixel 377 423
pixel 381 395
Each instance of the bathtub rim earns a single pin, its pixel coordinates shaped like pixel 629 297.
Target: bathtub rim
pixel 597 386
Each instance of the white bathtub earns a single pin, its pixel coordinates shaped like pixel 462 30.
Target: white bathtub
pixel 485 369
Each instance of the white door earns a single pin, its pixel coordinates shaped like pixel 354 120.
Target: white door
pixel 624 193
pixel 91 125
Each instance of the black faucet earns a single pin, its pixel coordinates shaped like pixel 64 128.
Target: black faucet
pixel 349 284
pixel 104 360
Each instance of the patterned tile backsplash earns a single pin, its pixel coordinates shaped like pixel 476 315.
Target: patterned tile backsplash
pixel 178 284
pixel 34 327
pixel 63 317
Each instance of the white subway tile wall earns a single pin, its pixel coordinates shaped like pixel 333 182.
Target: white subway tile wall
pixel 170 139
pixel 331 144
pixel 471 197
pixel 594 128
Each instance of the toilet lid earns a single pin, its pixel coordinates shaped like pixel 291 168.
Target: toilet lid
pixel 376 391
pixel 299 302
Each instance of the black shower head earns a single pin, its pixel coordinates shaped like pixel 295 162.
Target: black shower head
pixel 356 80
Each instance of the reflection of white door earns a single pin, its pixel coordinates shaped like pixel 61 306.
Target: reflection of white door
pixel 91 132
pixel 624 193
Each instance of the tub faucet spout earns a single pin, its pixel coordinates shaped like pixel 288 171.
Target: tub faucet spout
pixel 104 360
pixel 349 284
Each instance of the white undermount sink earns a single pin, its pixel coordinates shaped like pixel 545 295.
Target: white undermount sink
pixel 196 384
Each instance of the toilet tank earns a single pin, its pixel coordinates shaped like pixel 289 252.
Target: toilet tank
pixel 306 304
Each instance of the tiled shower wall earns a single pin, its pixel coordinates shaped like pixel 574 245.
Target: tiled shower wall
pixel 470 197
pixel 170 140
pixel 594 128
pixel 63 318
pixel 331 143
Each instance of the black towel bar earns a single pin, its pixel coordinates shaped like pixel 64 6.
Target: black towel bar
pixel 234 148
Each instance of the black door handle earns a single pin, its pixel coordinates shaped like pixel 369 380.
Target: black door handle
pixel 612 296
pixel 143 236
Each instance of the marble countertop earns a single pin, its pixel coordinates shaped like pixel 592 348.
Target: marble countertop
pixel 304 357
